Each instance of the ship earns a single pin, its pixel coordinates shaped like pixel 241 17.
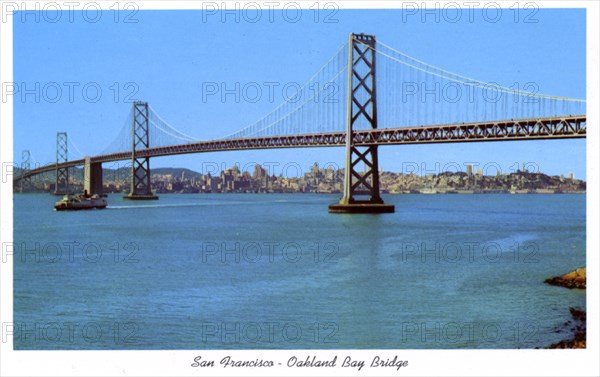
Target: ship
pixel 82 201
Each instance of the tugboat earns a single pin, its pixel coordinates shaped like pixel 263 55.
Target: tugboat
pixel 81 201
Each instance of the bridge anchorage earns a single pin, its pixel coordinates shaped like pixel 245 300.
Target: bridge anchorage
pixel 361 190
pixel 140 166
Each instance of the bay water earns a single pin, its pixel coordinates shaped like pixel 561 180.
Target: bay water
pixel 277 271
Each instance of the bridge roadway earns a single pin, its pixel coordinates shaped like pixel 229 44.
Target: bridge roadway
pixel 566 127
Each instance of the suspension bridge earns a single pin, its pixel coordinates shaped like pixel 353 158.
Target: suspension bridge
pixel 366 95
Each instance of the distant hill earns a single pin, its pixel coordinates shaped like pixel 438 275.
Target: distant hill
pixel 122 172
pixel 175 172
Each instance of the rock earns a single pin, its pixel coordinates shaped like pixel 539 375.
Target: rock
pixel 573 279
pixel 579 331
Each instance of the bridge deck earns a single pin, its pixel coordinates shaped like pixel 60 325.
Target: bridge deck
pixel 505 130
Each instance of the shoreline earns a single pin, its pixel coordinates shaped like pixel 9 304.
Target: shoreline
pixel 339 193
pixel 578 328
pixel 575 279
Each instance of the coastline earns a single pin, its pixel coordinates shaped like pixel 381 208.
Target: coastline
pixel 578 328
pixel 323 180
pixel 575 279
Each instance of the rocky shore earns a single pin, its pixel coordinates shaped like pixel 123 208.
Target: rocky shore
pixel 577 326
pixel 573 279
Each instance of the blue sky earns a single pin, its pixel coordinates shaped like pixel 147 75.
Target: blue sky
pixel 166 56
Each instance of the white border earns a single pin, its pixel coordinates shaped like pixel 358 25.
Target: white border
pixel 421 363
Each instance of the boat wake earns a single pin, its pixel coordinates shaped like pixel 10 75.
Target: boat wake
pixel 175 205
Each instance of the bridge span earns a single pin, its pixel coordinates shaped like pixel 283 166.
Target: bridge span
pixel 360 124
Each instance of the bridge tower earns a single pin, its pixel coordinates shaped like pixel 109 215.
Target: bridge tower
pixel 361 188
pixel 140 166
pixel 62 173
pixel 25 166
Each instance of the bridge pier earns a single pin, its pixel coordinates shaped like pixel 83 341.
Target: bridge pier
pixel 61 186
pixel 92 177
pixel 140 166
pixel 361 189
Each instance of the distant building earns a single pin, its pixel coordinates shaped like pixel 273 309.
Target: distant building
pixel 213 184
pixel 469 170
pixel 329 173
pixel 241 185
pixel 259 172
pixel 315 170
pixel 571 176
pixel 260 177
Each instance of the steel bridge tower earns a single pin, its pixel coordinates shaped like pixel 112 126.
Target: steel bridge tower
pixel 140 166
pixel 361 189
pixel 61 186
pixel 25 167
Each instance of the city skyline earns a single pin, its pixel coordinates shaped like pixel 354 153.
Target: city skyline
pixel 323 180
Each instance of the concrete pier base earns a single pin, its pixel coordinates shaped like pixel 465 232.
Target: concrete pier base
pixel 92 177
pixel 361 208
